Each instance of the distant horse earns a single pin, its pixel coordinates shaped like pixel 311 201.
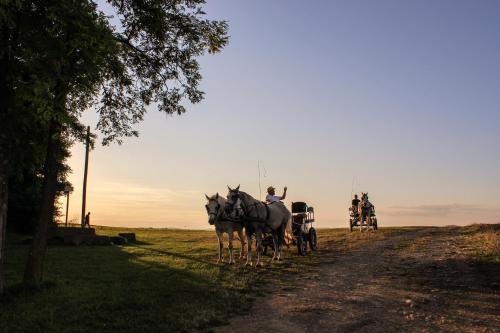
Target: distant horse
pixel 217 217
pixel 365 209
pixel 258 218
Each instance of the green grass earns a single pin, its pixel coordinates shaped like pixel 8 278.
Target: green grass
pixel 168 281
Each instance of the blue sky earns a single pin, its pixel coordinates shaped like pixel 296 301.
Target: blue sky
pixel 400 98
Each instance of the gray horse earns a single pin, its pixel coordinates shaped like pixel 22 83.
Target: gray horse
pixel 258 218
pixel 217 217
pixel 366 210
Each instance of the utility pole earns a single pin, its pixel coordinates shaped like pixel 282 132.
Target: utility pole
pixel 67 206
pixel 67 189
pixel 84 196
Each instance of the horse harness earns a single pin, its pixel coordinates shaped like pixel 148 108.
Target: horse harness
pixel 248 209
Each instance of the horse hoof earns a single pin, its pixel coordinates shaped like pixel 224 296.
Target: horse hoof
pixel 231 263
pixel 248 264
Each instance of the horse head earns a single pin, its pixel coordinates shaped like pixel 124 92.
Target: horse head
pixel 213 208
pixel 365 203
pixel 233 207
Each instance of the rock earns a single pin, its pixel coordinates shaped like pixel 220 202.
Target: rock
pixel 118 240
pixel 130 236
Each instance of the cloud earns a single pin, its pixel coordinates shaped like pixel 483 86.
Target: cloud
pixel 442 210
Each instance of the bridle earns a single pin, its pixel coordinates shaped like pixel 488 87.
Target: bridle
pixel 217 212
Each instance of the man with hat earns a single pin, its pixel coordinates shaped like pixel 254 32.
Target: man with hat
pixel 271 197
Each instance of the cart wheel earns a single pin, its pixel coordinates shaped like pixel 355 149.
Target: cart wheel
pixel 313 239
pixel 301 246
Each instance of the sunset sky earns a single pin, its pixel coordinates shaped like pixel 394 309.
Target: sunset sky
pixel 397 98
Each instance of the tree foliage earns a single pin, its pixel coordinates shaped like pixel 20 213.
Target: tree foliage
pixel 60 58
pixel 159 44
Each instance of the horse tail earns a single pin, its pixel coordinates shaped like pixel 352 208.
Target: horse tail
pixel 286 232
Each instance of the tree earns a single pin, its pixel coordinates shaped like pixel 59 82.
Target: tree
pixel 75 52
pixel 23 95
pixel 151 59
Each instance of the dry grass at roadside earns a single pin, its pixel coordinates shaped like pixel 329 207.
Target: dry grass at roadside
pixel 483 241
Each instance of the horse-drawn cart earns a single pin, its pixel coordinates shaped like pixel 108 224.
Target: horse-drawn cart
pixel 363 217
pixel 302 233
pixel 302 230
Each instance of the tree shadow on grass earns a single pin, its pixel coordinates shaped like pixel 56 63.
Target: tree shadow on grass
pixel 104 289
pixel 176 255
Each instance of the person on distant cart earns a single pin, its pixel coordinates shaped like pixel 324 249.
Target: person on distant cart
pixel 272 197
pixel 355 204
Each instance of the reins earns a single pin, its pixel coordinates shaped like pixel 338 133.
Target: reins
pixel 255 206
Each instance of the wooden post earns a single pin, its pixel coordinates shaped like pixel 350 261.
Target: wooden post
pixel 67 205
pixel 84 196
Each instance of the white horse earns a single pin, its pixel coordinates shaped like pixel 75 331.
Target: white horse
pixel 365 210
pixel 258 218
pixel 217 217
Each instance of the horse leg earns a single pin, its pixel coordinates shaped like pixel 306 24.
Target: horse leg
pixel 242 240
pixel 249 250
pixel 258 245
pixel 275 242
pixel 230 246
pixel 361 221
pixel 221 246
pixel 281 237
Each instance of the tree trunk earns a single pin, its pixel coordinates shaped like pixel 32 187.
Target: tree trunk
pixel 5 98
pixel 3 224
pixel 34 266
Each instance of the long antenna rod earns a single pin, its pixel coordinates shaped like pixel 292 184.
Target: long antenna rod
pixel 260 188
pixel 352 186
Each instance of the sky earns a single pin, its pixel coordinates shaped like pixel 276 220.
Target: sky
pixel 399 99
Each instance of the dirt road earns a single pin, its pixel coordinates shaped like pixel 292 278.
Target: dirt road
pixel 421 280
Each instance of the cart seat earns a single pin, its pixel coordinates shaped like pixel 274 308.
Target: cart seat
pixel 299 207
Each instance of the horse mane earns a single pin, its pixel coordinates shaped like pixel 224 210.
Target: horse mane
pixel 220 199
pixel 246 196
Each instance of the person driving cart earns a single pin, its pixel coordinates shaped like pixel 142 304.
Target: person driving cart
pixel 355 204
pixel 272 197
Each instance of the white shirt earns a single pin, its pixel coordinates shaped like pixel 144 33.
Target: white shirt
pixel 272 198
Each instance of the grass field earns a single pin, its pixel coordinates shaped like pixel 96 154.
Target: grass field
pixel 166 281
